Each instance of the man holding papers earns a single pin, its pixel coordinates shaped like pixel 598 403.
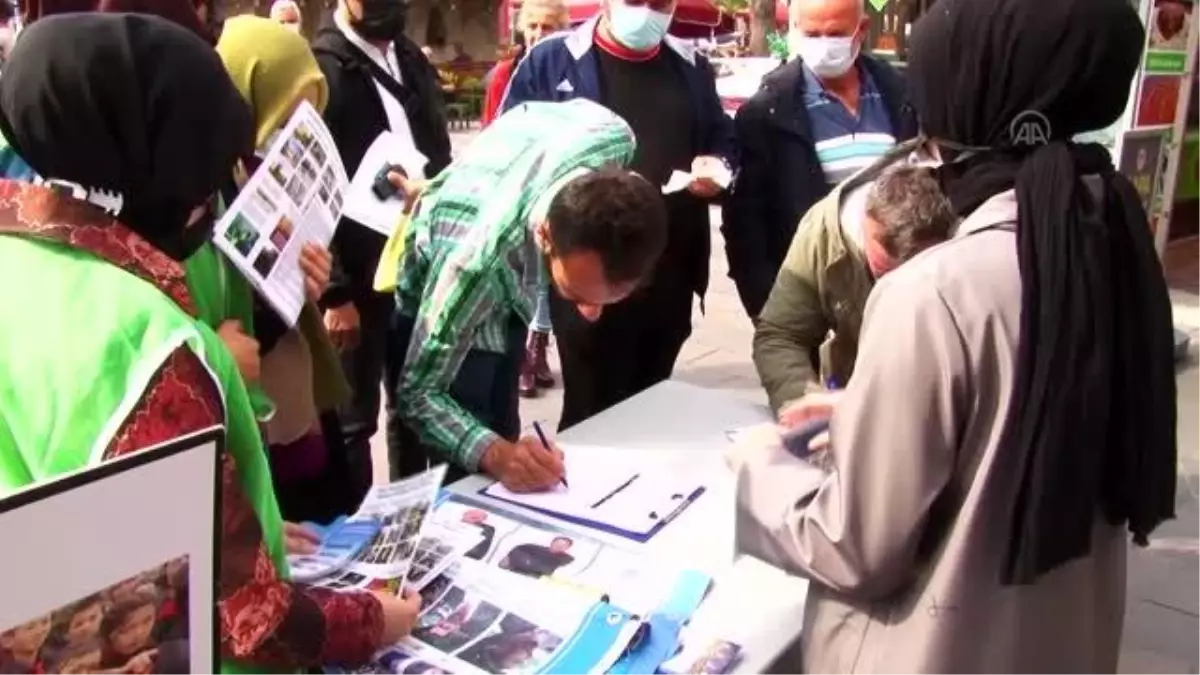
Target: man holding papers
pixel 541 196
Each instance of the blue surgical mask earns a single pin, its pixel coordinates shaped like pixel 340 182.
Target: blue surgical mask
pixel 639 27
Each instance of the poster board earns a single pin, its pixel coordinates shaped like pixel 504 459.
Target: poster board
pixel 1159 98
pixel 117 566
pixel 1141 162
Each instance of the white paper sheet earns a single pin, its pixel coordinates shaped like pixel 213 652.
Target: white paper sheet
pixel 629 495
pixel 361 203
pixel 679 180
pixel 294 198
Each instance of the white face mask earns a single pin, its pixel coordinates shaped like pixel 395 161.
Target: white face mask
pixel 828 57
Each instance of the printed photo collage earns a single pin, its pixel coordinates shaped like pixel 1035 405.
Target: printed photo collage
pixel 458 622
pixel 262 228
pixel 137 625
pixel 386 559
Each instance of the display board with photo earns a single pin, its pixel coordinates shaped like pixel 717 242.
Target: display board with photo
pixel 294 198
pixel 89 596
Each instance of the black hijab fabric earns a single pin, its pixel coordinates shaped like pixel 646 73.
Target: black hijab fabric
pixel 1093 408
pixel 129 103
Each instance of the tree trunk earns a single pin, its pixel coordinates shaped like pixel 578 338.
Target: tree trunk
pixel 762 24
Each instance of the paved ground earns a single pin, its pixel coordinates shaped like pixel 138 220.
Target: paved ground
pixel 1162 622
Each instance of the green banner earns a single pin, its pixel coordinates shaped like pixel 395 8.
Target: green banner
pixel 1166 62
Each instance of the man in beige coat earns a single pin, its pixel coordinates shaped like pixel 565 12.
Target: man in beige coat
pixel 987 453
pixel 903 539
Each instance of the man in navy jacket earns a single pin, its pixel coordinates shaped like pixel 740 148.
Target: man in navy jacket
pixel 624 60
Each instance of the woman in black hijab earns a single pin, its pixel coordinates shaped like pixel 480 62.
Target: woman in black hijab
pixel 1012 409
pixel 134 124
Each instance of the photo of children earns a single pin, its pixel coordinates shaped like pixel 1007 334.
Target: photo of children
pixel 266 259
pixel 514 646
pixel 138 625
pixel 242 235
pixel 282 232
pixel 455 621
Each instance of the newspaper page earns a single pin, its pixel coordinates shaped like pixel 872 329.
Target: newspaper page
pixel 295 197
pixel 474 620
pixel 401 509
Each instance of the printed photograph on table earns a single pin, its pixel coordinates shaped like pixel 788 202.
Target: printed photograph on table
pixel 1158 99
pixel 458 618
pixel 513 645
pixel 1170 25
pixel 137 625
pixel 242 235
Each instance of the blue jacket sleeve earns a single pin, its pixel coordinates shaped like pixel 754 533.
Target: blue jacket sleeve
pixel 524 85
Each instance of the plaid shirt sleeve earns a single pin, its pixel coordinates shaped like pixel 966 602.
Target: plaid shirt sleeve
pixel 466 289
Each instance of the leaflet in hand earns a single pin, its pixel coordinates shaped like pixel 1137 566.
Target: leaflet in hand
pixel 401 510
pixel 364 201
pixel 295 197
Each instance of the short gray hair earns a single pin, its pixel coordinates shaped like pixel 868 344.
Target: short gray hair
pixel 912 211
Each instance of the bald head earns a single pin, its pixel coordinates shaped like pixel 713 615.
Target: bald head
pixel 827 18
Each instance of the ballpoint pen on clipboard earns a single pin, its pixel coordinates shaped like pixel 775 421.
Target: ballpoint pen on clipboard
pixel 537 428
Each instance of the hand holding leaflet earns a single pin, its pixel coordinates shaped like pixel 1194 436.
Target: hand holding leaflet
pixel 293 199
pixel 373 197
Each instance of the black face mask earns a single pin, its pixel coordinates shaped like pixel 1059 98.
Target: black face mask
pixel 381 19
pixel 193 238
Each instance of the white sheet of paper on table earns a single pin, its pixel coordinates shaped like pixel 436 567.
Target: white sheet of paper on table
pixel 361 203
pixel 632 496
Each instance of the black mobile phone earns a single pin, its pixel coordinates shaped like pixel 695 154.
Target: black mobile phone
pixel 381 186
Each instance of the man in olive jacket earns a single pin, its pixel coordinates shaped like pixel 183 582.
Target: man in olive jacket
pixel 806 337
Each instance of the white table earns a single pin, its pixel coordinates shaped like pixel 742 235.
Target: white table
pixel 689 423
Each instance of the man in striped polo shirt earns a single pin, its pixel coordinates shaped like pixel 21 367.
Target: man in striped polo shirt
pixel 815 121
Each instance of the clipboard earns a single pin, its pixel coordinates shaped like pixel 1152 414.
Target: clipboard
pixel 658 517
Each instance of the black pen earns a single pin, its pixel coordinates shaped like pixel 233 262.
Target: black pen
pixel 546 444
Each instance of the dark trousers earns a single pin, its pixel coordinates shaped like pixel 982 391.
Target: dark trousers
pixel 364 365
pixel 485 386
pixel 630 348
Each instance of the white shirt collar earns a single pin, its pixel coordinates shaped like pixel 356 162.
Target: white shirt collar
pixel 385 60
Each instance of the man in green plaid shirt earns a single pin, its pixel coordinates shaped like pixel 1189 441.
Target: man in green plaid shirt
pixel 541 196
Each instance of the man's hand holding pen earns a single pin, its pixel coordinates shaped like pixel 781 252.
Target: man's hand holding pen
pixel 525 466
